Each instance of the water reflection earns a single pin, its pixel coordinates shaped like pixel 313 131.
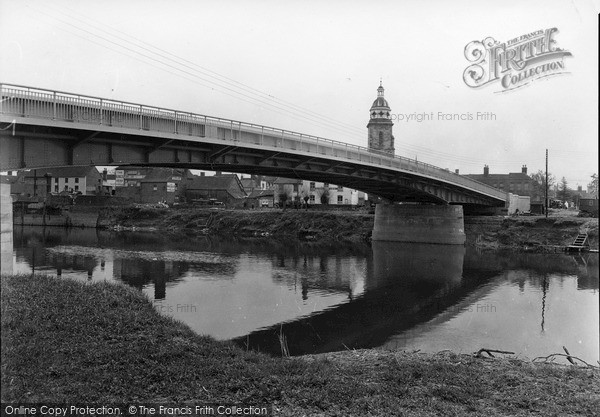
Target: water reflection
pixel 401 296
pixel 404 284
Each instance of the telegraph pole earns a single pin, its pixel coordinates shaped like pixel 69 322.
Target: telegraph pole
pixel 546 183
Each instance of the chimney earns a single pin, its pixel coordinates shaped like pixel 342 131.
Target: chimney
pixel 486 170
pixel 456 171
pixel 524 169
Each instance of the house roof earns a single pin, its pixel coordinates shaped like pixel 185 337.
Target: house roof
pixel 229 183
pixel 261 193
pixel 510 176
pixel 282 180
pixel 248 182
pixel 8 179
pixel 217 182
pixel 64 172
pixel 163 174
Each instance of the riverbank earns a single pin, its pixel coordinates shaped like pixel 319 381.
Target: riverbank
pixel 67 341
pixel 523 233
pixel 531 233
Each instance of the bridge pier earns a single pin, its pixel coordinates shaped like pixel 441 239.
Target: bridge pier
pixel 6 230
pixel 419 224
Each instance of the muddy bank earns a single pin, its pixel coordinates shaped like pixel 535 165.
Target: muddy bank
pixel 308 225
pixel 535 233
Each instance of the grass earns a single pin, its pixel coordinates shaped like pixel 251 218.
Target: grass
pixel 65 340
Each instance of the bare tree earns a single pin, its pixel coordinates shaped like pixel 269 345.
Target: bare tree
pixel 324 196
pixel 305 195
pixel 283 198
pixel 593 185
pixel 564 189
pixel 539 185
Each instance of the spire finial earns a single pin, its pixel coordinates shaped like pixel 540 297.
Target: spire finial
pixel 380 82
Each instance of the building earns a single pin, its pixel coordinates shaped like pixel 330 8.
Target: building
pixel 297 190
pixel 255 183
pixel 515 182
pixel 108 181
pixel 85 180
pixel 380 125
pixel 261 198
pixel 589 205
pixel 225 188
pixel 152 185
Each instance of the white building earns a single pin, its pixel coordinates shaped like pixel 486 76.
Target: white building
pixel 317 192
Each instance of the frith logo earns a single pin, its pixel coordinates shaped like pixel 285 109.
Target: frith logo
pixel 514 63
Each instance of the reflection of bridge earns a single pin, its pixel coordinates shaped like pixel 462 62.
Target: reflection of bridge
pixel 405 285
pixel 78 130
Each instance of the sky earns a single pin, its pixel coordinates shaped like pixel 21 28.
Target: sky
pixel 314 67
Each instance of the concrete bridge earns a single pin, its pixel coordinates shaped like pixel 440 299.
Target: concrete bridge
pixel 44 128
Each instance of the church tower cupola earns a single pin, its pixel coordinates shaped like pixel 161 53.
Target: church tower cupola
pixel 380 125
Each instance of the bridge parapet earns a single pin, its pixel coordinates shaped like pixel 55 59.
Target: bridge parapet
pixel 33 103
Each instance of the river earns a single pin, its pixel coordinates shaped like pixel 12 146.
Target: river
pixel 389 295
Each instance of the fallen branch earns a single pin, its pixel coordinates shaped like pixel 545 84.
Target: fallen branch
pixel 569 358
pixel 546 359
pixel 489 352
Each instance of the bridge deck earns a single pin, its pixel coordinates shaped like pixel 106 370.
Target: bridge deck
pixel 40 107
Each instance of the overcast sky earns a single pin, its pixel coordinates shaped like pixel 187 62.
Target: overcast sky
pixel 314 67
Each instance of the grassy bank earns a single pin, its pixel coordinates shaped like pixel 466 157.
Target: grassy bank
pixel 69 341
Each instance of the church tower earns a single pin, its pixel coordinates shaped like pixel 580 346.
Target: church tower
pixel 380 125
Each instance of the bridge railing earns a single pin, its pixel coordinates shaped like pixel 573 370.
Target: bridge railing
pixel 23 101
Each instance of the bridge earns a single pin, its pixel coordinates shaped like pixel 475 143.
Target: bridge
pixel 45 128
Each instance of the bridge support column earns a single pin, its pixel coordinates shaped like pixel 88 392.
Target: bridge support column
pixel 419 224
pixel 6 229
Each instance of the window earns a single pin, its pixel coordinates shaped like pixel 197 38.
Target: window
pixel 312 198
pixel 56 188
pixel 77 188
pixel 55 180
pixel 312 186
pixel 340 199
pixel 325 185
pixel 340 188
pixel 154 188
pixel 295 188
pixel 76 180
pixel 380 138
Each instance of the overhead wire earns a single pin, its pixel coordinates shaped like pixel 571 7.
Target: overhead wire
pixel 234 89
pixel 311 116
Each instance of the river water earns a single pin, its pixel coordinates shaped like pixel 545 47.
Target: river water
pixel 390 295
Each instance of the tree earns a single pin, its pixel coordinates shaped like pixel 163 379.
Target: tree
pixel 305 194
pixel 593 186
pixel 563 189
pixel 283 198
pixel 538 193
pixel 324 195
